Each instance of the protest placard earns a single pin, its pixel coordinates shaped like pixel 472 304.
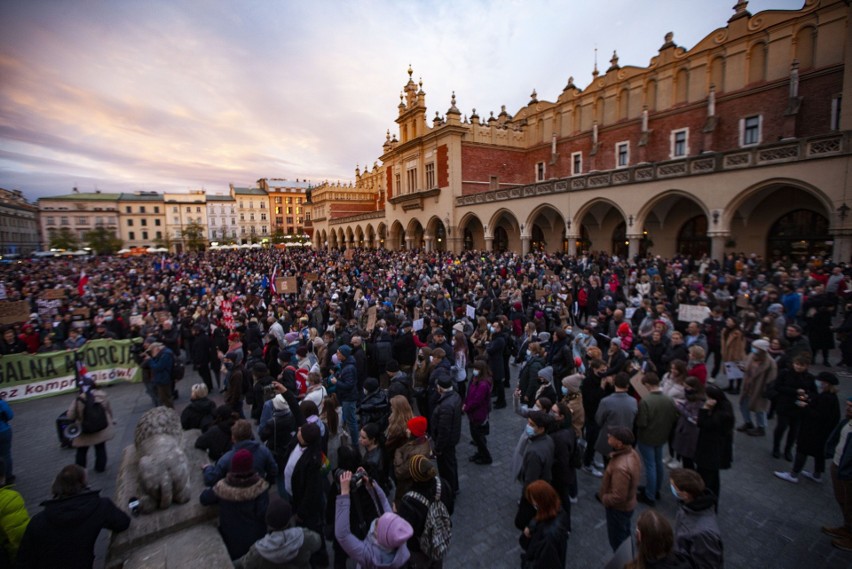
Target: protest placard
pixel 286 285
pixel 13 312
pixel 417 325
pixel 371 318
pixel 53 294
pixel 470 311
pixel 692 313
pixel 311 277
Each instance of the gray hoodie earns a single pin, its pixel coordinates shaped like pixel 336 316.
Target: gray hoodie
pixel 289 548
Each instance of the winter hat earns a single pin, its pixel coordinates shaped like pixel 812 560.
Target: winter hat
pixel 242 462
pixel 371 384
pixel 234 357
pixel 827 377
pixel 310 433
pixel 439 353
pixel 544 337
pixel 392 366
pixel 546 373
pixel 392 531
pixel 572 382
pixel 417 426
pixel 641 349
pixel 761 344
pixel 421 468
pixel 284 356
pixel 291 337
pixel 279 403
pixel 623 329
pixel 775 308
pixel 445 382
pixel 278 514
pixel 622 434
pixel 345 350
pixel 458 327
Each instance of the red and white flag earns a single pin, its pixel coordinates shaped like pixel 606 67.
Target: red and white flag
pixel 81 284
pixel 272 288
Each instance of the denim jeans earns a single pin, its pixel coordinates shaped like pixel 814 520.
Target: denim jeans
pixel 617 526
pixel 760 420
pixel 350 419
pixel 652 460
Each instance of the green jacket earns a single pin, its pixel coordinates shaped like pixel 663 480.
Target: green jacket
pixel 656 419
pixel 13 520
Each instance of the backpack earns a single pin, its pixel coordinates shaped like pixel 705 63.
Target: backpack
pixel 94 416
pixel 437 531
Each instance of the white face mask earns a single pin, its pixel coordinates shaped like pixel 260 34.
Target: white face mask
pixel 431 358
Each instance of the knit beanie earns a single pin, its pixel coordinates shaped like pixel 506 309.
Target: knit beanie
pixel 417 426
pixel 242 462
pixel 345 351
pixel 421 468
pixel 623 329
pixel 279 403
pixel 546 373
pixel 572 382
pixel 392 531
pixel 642 349
pixel 278 514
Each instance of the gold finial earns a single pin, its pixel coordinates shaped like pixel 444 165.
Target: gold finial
pixel 410 71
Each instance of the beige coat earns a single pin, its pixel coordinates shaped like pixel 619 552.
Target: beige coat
pixel 75 413
pixel 755 378
pixel 733 345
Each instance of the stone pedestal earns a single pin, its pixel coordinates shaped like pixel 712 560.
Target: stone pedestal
pixel 183 536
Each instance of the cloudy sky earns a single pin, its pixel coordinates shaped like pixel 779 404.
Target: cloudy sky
pixel 175 95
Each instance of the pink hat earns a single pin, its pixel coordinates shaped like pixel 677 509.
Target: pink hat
pixel 392 531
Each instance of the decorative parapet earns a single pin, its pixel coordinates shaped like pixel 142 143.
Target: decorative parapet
pixel 780 152
pixel 360 217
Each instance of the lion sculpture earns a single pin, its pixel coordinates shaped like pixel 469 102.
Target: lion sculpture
pixel 163 466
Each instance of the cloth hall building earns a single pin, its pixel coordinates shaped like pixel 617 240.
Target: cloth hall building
pixel 740 143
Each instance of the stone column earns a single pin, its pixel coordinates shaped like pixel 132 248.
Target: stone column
pixel 430 242
pixel 525 244
pixel 409 243
pixel 489 243
pixel 633 244
pixel 455 244
pixel 572 244
pixel 717 246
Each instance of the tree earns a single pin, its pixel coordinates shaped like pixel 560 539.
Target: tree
pixel 193 234
pixel 278 235
pixel 103 241
pixel 165 242
pixel 64 239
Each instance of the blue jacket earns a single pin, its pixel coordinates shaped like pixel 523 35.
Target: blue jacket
pixel 161 367
pixel 6 415
pixel 347 381
pixel 264 463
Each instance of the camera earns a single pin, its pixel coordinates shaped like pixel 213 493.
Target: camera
pixel 358 478
pixel 133 506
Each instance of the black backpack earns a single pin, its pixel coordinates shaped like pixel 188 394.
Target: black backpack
pixel 94 416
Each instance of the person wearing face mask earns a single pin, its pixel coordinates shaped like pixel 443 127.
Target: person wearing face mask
pixel 440 369
pixel 616 410
pixel 527 377
pixel 385 544
pixel 446 430
pixel 537 462
pixel 758 370
pixel 545 384
pixel 494 349
pixel 573 398
pixel 422 369
pixel 564 475
pixel 477 406
pixel 593 393
pixel 820 412
pixel 696 532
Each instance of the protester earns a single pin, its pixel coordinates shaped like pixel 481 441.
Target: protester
pixel 14 519
pixel 91 409
pixel 657 416
pixel 620 484
pixel 64 533
pixel 477 406
pixel 199 413
pixel 696 531
pixel 283 546
pixel 545 539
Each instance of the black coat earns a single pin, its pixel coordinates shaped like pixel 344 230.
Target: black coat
pixel 494 350
pixel 547 545
pixel 818 420
pixel 714 450
pixel 564 441
pixel 242 513
pixel 446 422
pixel 375 408
pixel 787 386
pixel 216 441
pixel 198 414
pixel 404 349
pixel 278 432
pixel 203 352
pixel 675 352
pixel 306 484
pixel 64 533
pixel 592 394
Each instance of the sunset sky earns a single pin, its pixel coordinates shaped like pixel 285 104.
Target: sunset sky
pixel 178 95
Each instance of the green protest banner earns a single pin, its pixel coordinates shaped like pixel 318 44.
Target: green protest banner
pixel 31 376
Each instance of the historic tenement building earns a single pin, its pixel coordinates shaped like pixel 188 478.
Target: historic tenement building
pixel 19 229
pixel 741 143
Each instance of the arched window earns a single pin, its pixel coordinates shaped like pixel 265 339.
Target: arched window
pixel 620 245
pixel 798 235
pixel 692 238
pixel 501 239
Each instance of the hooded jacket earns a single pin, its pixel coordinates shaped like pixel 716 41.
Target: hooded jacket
pixel 366 553
pixel 697 532
pixel 289 548
pixel 242 513
pixel 64 533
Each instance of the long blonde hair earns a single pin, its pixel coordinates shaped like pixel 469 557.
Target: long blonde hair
pixel 401 413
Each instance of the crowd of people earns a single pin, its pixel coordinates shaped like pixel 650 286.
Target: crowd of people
pixel 349 395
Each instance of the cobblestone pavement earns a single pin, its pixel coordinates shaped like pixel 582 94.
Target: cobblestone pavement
pixel 766 522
